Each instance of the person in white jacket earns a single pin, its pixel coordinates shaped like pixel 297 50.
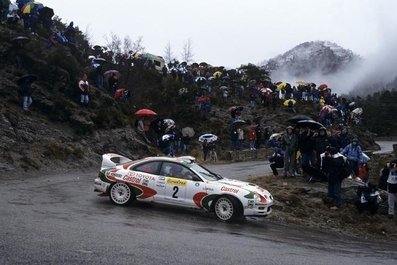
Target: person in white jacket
pixel 392 188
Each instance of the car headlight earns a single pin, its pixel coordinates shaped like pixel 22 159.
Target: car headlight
pixel 259 199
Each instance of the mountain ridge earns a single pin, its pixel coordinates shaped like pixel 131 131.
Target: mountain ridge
pixel 310 57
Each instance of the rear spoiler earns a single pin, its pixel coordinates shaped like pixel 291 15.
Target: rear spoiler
pixel 112 160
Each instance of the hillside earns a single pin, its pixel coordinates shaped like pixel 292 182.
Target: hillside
pixel 58 133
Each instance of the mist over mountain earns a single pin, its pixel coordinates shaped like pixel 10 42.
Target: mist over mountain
pixel 314 61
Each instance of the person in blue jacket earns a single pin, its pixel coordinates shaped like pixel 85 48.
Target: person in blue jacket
pixel 354 154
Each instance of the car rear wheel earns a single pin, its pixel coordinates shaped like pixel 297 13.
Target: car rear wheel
pixel 227 208
pixel 121 194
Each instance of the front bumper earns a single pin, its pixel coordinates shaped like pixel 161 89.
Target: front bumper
pixel 101 186
pixel 259 210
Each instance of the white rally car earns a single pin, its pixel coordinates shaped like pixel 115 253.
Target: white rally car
pixel 180 181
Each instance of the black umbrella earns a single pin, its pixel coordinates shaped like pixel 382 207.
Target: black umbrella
pixel 47 12
pixel 299 117
pixel 29 78
pixel 239 123
pixel 314 125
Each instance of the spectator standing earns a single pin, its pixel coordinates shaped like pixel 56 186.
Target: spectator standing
pixel 343 138
pixel 258 131
pixel 388 181
pixel 306 147
pixel 4 4
pixel 113 83
pixel 252 137
pixel 84 91
pixel 234 138
pixel 140 128
pixel 289 144
pixel 331 164
pixel 206 148
pixel 26 91
pixel 321 142
pixel 252 100
pixel 70 33
pixel 240 132
pixel 99 76
pixel 186 144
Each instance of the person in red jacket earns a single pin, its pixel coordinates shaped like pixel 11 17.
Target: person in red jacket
pixel 252 137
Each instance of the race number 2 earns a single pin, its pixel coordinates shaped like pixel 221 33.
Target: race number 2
pixel 175 189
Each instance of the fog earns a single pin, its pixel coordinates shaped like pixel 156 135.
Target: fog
pixel 370 74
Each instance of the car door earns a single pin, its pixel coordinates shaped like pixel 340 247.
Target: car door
pixel 146 175
pixel 180 184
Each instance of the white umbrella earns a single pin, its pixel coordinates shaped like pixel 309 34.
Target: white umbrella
pixel 358 111
pixel 274 135
pixel 167 137
pixel 209 137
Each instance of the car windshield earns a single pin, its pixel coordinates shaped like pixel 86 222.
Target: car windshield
pixel 204 173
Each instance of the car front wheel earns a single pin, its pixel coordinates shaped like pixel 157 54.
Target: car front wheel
pixel 227 208
pixel 120 194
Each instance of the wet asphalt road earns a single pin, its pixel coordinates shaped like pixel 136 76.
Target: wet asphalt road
pixel 58 219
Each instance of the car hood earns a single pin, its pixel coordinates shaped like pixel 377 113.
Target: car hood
pixel 244 185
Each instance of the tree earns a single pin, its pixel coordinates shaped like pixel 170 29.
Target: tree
pixel 113 42
pixel 137 46
pixel 127 44
pixel 187 54
pixel 88 34
pixel 168 55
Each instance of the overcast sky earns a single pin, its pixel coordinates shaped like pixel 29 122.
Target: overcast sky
pixel 235 32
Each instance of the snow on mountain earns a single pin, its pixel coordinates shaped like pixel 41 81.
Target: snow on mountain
pixel 320 57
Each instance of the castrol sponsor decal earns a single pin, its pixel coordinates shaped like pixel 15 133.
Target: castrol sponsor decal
pixel 229 189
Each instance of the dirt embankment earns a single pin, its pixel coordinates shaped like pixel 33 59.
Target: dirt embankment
pixel 302 203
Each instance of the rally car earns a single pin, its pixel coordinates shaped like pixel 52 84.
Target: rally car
pixel 182 182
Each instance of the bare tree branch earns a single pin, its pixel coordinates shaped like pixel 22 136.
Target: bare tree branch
pixel 168 55
pixel 187 54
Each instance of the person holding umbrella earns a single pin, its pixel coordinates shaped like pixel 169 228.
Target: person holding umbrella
pixel 142 127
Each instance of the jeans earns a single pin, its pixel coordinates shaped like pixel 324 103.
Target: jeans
pixel 353 167
pixel 391 200
pixel 99 81
pixel 27 101
pixel 84 99
pixel 334 192
pixel 289 163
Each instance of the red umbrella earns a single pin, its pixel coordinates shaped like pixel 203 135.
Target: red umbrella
pixel 145 113
pixel 322 87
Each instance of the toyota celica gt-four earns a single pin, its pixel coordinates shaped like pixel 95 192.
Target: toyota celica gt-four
pixel 182 182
